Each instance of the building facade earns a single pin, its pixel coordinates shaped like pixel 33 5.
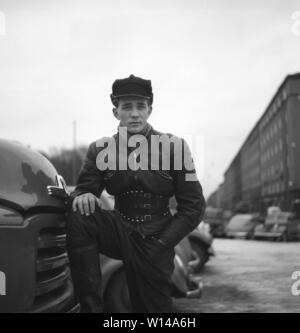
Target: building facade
pixel 266 169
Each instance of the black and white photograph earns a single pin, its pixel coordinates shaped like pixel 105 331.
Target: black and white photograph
pixel 149 159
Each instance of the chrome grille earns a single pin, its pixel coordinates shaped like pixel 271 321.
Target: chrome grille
pixel 52 270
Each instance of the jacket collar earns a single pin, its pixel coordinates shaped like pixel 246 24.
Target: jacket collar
pixel 147 130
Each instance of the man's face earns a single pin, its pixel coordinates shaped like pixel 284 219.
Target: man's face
pixel 133 113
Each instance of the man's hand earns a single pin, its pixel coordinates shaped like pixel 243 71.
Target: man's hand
pixel 86 203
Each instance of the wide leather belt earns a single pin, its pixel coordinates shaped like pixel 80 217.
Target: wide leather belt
pixel 140 206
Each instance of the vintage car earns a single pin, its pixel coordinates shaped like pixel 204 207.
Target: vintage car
pixel 201 243
pixel 200 240
pixel 34 267
pixel 282 226
pixel 33 256
pixel 242 226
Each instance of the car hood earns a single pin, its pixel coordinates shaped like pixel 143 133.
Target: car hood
pixel 241 222
pixel 24 175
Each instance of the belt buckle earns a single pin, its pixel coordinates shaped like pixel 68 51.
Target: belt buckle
pixel 147 218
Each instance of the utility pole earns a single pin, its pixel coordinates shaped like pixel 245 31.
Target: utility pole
pixel 74 152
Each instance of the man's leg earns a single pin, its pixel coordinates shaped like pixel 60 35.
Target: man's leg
pixel 149 266
pixel 149 274
pixel 86 236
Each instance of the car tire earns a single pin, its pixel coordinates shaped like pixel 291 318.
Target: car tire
pixel 201 252
pixel 116 297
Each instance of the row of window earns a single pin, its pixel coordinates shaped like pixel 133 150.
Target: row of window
pixel 271 152
pixel 272 171
pixel 274 108
pixel 250 184
pixel 251 175
pixel 250 159
pixel 273 130
pixel 273 188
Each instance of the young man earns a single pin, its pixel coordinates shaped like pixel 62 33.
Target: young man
pixel 140 230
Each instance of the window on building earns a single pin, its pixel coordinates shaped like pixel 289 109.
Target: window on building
pixel 279 123
pixel 278 102
pixel 280 144
pixel 284 94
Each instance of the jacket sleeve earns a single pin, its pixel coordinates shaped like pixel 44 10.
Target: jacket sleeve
pixel 90 179
pixel 190 202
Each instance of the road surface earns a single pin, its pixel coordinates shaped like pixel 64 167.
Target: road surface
pixel 248 276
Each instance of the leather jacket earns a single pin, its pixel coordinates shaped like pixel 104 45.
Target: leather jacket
pixel 188 194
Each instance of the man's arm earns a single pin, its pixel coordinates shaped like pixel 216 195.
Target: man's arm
pixel 190 205
pixel 90 179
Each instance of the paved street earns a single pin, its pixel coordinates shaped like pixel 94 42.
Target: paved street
pixel 248 276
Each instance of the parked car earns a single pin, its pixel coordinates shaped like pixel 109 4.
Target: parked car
pixel 283 226
pixel 214 217
pixel 200 240
pixel 242 226
pixel 33 258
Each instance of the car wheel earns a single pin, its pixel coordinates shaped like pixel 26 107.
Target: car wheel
pixel 116 295
pixel 200 252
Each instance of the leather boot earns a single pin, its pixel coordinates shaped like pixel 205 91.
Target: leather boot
pixel 86 276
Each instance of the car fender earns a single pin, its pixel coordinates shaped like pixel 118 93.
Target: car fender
pixel 179 277
pixel 201 238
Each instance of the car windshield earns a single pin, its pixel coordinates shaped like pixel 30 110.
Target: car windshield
pixel 241 221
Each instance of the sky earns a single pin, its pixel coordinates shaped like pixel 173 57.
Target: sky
pixel 214 67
